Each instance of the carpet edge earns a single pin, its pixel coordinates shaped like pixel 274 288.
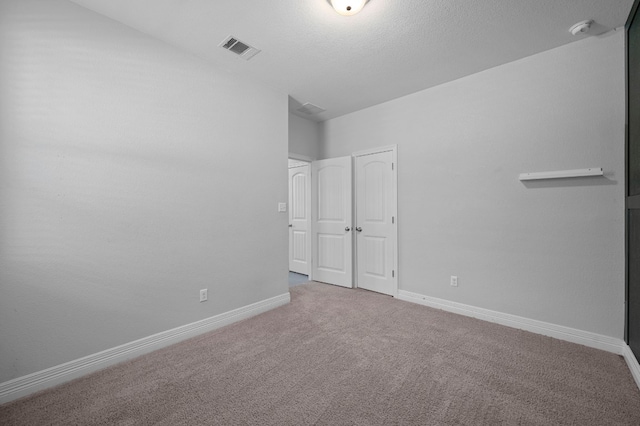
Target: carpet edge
pixel 40 380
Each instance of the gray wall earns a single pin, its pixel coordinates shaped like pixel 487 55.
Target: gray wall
pixel 551 251
pixel 304 137
pixel 125 187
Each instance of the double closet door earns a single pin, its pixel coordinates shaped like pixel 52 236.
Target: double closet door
pixel 354 227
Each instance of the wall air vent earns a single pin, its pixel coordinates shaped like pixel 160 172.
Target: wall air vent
pixel 311 109
pixel 239 48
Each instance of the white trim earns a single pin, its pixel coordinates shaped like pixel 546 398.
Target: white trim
pixel 377 150
pixel 300 157
pixel 396 241
pixel 632 362
pixel 586 338
pixel 58 374
pixel 301 164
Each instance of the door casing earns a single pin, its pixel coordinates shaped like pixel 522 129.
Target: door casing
pixel 632 183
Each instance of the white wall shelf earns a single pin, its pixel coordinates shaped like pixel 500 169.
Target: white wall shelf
pixel 594 171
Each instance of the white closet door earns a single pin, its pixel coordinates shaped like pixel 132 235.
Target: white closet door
pixel 375 222
pixel 331 218
pixel 299 218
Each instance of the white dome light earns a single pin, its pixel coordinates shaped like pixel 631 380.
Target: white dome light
pixel 348 7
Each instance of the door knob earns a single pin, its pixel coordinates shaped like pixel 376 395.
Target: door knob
pixel 358 229
pixel 347 229
pixel 290 225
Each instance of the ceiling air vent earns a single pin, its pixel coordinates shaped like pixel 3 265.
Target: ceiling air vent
pixel 239 48
pixel 310 108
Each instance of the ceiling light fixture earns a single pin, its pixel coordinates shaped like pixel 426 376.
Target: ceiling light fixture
pixel 348 7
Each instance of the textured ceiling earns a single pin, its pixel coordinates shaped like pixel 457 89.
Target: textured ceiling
pixel 346 63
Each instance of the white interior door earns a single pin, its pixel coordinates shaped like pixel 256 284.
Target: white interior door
pixel 375 222
pixel 299 218
pixel 331 221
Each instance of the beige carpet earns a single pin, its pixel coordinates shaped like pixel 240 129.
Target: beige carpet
pixel 338 356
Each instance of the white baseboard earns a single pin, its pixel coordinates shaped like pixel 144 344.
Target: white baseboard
pixel 25 385
pixel 632 362
pixel 598 341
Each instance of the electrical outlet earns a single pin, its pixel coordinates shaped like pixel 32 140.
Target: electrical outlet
pixel 454 281
pixel 203 295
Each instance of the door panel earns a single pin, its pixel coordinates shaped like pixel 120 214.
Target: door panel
pixel 375 256
pixel 331 253
pixel 299 219
pixel 332 189
pixel 375 232
pixel 331 217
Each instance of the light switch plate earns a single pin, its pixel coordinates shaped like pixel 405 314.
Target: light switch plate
pixel 282 207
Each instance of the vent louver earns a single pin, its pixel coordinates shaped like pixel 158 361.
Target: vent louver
pixel 310 108
pixel 238 47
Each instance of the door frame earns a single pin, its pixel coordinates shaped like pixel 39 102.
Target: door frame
pixel 394 209
pixel 308 160
pixel 631 202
